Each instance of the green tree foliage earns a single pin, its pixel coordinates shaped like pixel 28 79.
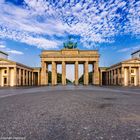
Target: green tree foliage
pixel 59 78
pixel 81 79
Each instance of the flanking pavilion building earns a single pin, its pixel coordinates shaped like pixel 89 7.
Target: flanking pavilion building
pixel 125 73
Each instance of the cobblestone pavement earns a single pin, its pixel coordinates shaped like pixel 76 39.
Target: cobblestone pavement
pixel 70 113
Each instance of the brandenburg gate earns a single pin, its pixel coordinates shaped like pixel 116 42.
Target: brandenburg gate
pixel 69 56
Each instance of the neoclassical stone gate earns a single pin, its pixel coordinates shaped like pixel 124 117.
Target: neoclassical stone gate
pixel 69 56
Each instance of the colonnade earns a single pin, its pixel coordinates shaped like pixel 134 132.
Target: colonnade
pixel 24 77
pixel 125 76
pixel 44 72
pixel 15 76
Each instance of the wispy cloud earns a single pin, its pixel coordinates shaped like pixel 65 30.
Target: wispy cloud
pixel 15 52
pixel 130 49
pixel 4 48
pixel 37 22
pixel 2 45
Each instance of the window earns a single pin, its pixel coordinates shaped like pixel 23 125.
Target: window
pixel 132 71
pixel 5 81
pixel 5 71
pixel 132 80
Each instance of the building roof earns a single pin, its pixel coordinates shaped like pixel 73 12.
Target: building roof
pixel 125 61
pixel 135 52
pixel 16 63
pixel 4 53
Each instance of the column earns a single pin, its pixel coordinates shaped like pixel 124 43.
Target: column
pixel 54 73
pixel 129 76
pixel 0 77
pixel 93 73
pixel 43 73
pixel 38 78
pixel 109 78
pixel 139 75
pixel 122 76
pixel 96 73
pixel 115 76
pixel 47 80
pixel 15 76
pixel 76 73
pixel 29 78
pixel 86 73
pixel 23 77
pixel 26 77
pixel 63 73
pixel 19 77
pixel 107 75
pixel 8 76
pixel 32 78
pixel 118 76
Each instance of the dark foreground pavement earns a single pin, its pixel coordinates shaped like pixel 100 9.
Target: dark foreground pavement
pixel 70 113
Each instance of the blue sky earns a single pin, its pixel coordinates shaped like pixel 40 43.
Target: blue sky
pixel 28 26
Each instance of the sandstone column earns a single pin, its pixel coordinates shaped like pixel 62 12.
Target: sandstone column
pixel 32 78
pixel 8 76
pixel 109 78
pixel 86 73
pixel 19 77
pixel 43 73
pixel 63 73
pixel 26 77
pixel 29 78
pixel 115 76
pixel 118 76
pixel 96 73
pixel 76 73
pixel 129 76
pixel 139 75
pixel 23 77
pixel 93 73
pixel 54 73
pixel 47 80
pixel 122 76
pixel 15 76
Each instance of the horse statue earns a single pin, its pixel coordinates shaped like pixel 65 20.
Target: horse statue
pixel 70 44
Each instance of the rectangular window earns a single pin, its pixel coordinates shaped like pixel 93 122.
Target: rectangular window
pixel 5 81
pixel 5 71
pixel 132 80
pixel 132 71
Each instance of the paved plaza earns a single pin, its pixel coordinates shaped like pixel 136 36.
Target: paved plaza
pixel 70 113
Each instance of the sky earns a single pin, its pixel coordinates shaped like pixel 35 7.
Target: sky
pixel 29 26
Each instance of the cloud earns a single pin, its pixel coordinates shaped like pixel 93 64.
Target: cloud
pixel 15 52
pixel 93 21
pixel 2 45
pixel 4 48
pixel 131 49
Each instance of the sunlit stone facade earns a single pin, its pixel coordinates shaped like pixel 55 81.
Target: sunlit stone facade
pixel 16 74
pixel 69 56
pixel 125 73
